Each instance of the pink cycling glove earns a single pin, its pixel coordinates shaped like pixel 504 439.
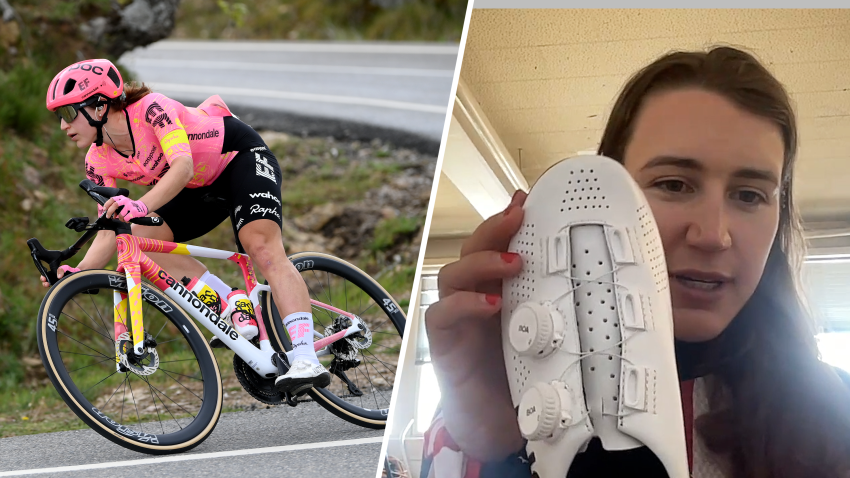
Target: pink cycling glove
pixel 68 269
pixel 132 209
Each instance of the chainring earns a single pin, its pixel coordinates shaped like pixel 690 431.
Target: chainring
pixel 262 389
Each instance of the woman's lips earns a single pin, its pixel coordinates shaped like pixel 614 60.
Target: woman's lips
pixel 698 289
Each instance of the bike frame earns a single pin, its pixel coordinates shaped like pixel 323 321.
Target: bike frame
pixel 134 264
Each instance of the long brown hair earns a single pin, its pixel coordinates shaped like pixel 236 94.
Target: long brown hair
pixel 776 411
pixel 133 92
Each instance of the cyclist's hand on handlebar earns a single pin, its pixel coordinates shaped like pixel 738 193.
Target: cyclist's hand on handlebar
pixel 464 330
pixel 124 208
pixel 59 274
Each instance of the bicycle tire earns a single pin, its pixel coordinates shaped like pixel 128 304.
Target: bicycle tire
pixel 305 261
pixel 49 320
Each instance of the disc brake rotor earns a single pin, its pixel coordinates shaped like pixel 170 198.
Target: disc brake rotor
pixel 145 365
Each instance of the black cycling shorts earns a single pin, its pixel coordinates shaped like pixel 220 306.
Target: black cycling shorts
pixel 250 185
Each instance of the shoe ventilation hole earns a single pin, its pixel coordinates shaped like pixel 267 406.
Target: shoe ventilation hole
pixel 653 249
pixel 582 192
pixel 522 286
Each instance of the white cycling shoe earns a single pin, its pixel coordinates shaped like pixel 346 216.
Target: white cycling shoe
pixel 587 328
pixel 302 376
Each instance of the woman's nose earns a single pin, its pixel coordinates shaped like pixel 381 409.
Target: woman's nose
pixel 63 125
pixel 709 224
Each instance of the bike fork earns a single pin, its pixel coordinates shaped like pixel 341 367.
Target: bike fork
pixel 119 312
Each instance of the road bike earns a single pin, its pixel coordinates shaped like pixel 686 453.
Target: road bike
pixel 122 351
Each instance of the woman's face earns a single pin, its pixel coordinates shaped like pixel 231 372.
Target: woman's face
pixel 711 173
pixel 80 131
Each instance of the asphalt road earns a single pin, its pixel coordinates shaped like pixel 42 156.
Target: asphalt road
pixel 314 442
pixel 403 87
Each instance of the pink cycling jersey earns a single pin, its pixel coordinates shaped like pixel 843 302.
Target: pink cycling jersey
pixel 161 130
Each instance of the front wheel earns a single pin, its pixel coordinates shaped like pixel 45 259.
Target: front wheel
pixel 168 401
pixel 362 373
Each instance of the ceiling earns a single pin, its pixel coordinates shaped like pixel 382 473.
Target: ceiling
pixel 546 79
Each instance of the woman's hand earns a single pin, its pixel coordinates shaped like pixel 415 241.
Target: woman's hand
pixel 464 330
pixel 130 209
pixel 59 274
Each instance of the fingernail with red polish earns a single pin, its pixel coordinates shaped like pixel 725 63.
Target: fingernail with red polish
pixel 509 257
pixel 492 299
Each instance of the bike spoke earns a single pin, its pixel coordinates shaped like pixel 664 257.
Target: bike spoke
pixel 92 365
pixel 187 376
pixel 187 389
pixel 74 300
pixel 172 400
pixel 154 405
pixel 98 383
pixel 166 406
pixel 84 345
pixel 109 338
pixel 136 406
pixel 124 397
pixel 373 387
pixel 123 382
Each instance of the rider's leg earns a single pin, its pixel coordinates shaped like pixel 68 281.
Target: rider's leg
pixel 263 243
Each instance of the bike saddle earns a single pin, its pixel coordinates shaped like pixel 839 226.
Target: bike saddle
pixel 587 328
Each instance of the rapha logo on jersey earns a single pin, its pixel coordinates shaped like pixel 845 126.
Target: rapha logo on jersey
pixel 390 306
pixel 264 169
pixel 239 224
pixel 196 303
pixel 266 195
pixel 213 133
pixel 256 209
pixel 156 116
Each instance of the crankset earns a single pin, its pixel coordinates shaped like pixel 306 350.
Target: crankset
pixel 261 388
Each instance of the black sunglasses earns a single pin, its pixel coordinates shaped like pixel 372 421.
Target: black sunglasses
pixel 69 112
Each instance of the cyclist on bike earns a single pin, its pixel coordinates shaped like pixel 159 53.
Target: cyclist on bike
pixel 186 154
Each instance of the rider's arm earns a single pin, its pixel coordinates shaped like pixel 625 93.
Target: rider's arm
pixel 180 173
pixel 100 252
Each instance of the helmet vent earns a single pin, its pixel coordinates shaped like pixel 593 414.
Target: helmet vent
pixel 113 75
pixel 55 85
pixel 69 85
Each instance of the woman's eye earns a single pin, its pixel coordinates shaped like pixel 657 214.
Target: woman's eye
pixel 672 186
pixel 750 197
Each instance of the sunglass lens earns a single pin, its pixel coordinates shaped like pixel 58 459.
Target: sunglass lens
pixel 67 113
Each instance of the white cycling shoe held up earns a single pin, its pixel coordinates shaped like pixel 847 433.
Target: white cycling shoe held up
pixel 587 326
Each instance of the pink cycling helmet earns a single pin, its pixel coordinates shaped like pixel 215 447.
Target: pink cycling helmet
pixel 81 80
pixel 85 83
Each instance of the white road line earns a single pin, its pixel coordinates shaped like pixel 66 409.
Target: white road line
pixel 286 67
pixel 199 456
pixel 317 47
pixel 293 95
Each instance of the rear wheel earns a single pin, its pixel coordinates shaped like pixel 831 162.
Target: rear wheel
pixel 168 401
pixel 362 372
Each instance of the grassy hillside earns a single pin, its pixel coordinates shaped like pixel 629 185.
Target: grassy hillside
pixel 402 20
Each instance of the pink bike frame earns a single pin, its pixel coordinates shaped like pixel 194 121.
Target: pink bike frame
pixel 134 264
